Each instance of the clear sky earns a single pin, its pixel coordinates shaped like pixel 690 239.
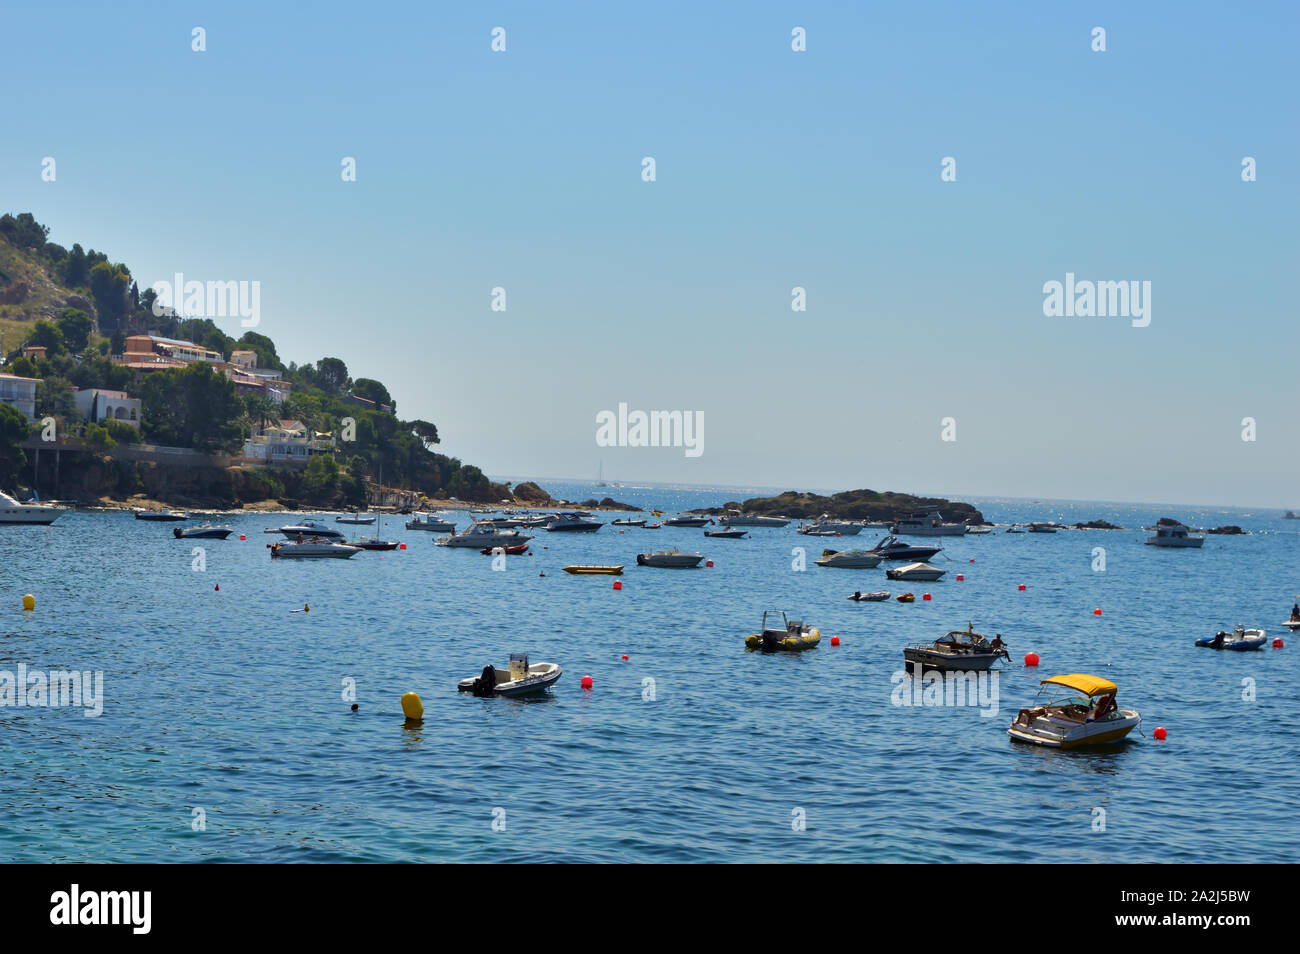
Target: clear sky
pixel 775 169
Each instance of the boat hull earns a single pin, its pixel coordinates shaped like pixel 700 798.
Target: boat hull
pixel 1058 737
pixel 951 662
pixel 594 570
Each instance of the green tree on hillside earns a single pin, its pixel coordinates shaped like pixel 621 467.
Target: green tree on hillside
pixel 75 326
pixel 13 431
pixel 108 285
pixel 193 406
pixel 76 269
pixel 47 335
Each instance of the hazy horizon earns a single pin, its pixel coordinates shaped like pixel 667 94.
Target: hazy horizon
pixel 776 169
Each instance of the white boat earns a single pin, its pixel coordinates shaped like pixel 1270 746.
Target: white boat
pixel 928 523
pixel 311 528
pixel 572 523
pixel 877 597
pixel 312 549
pixel 1072 721
pixel 204 531
pixel 964 650
pixel 1042 528
pixel 850 559
pixel 921 572
pixel 1239 639
pixel 480 535
pixel 11 511
pixel 517 680
pixel 359 518
pixel 1174 536
pixel 670 559
pixel 725 532
pixel 826 527
pixel 978 531
pixel 428 521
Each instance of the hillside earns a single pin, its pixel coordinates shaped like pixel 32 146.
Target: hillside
pixel 851 505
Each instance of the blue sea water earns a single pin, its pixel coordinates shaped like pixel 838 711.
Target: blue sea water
pixel 231 702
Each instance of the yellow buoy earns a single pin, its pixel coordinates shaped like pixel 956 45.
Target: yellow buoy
pixel 412 707
pixel 306 607
pixel 29 602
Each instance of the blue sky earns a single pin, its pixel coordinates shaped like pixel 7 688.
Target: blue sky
pixel 775 169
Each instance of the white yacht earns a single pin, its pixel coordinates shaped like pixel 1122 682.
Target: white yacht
pixel 928 523
pixel 1174 536
pixel 429 521
pixel 480 535
pixel 11 511
pixel 826 527
pixel 737 519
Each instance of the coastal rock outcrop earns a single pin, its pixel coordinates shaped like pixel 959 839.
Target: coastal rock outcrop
pixel 850 505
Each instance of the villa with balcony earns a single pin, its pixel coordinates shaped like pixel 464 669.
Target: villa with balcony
pixel 285 444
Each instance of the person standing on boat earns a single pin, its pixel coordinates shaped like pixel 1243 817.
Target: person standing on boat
pixel 1295 610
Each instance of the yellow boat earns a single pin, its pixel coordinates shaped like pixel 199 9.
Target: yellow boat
pixel 1090 718
pixel 791 637
pixel 583 570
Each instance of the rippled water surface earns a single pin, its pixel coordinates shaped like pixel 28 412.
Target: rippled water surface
pixel 231 702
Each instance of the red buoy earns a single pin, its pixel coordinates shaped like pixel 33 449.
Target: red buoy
pixel 625 657
pixel 217 588
pixel 1160 733
pixel 401 546
pixel 708 563
pixel 242 537
pixel 835 640
pixel 618 584
pixel 1277 642
pixel 972 559
pixel 960 578
pixel 925 596
pixel 1096 612
pixel 1021 587
pixel 587 682
pixel 1031 659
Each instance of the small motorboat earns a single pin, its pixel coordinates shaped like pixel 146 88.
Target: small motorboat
pixel 161 516
pixel 653 526
pixel 572 523
pixel 1073 721
pixel 625 522
pixel 687 520
pixel 515 549
pixel 877 597
pixel 737 519
pixel 594 570
pixel 373 543
pixel 1175 536
pixel 312 549
pixel 959 650
pixel 1239 639
pixel 204 531
pixel 727 533
pixel 921 572
pixel 673 559
pixel 480 535
pixel 519 679
pixel 1014 530
pixel 429 521
pixel 1042 528
pixel 792 636
pixel 978 531
pixel 827 527
pixel 850 559
pixel 311 528
pixel 928 523
pixel 354 517
pixel 905 598
pixel 892 548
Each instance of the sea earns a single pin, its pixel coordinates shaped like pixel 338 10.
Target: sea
pixel 250 709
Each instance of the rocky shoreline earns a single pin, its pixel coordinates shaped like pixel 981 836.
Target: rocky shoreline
pixel 849 505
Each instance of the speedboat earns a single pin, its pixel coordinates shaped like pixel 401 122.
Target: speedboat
pixel 850 559
pixel 517 549
pixel 978 531
pixel 518 679
pixel 161 516
pixel 594 570
pixel 928 523
pixel 11 511
pixel 1014 529
pixel 826 527
pixel 572 523
pixel 921 572
pixel 673 559
pixel 877 597
pixel 481 535
pixel 354 517
pixel 1239 639
pixel 625 522
pixel 312 549
pixel 792 636
pixel 892 548
pixel 752 520
pixel 203 531
pixel 687 520
pixel 959 650
pixel 1174 536
pixel 1042 528
pixel 1067 722
pixel 311 528
pixel 727 533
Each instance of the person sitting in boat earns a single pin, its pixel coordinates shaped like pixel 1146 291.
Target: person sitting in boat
pixel 857 596
pixel 997 644
pixel 1295 611
pixel 1105 705
pixel 300 536
pixel 983 646
pixel 1217 642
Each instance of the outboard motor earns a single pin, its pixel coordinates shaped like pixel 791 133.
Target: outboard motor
pixel 486 684
pixel 771 640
